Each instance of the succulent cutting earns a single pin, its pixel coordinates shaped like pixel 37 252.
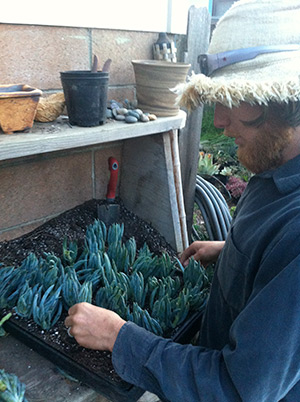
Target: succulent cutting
pixel 153 291
pixel 11 389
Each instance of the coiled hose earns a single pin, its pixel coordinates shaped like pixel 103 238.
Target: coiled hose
pixel 214 209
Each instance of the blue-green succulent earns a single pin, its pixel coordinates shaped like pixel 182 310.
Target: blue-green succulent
pixel 155 292
pixel 11 389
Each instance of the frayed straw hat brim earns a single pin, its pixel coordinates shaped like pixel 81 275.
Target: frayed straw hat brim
pixel 201 89
pixel 272 77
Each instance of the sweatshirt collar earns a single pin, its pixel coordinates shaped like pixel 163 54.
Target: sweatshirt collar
pixel 286 177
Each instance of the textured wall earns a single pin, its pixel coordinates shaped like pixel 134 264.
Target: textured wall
pixel 35 55
pixel 33 190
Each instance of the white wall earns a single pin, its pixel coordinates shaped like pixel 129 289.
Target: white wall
pixel 136 15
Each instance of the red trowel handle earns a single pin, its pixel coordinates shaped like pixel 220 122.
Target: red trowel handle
pixel 113 166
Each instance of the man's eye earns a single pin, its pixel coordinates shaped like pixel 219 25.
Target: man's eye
pixel 254 123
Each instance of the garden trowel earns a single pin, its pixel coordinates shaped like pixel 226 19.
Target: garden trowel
pixel 109 212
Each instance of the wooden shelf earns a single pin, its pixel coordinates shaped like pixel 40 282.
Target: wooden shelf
pixel 150 175
pixel 50 137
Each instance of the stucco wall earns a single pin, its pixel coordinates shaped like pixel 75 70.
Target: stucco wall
pixel 35 55
pixel 32 190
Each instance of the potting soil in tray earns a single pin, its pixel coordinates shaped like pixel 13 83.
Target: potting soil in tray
pixel 93 368
pixel 72 224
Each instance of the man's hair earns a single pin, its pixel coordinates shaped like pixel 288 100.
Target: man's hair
pixel 284 114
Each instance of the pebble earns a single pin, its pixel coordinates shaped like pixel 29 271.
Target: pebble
pixel 114 104
pixel 152 116
pixel 122 111
pixel 131 119
pixel 109 114
pixel 133 113
pixel 139 111
pixel 144 118
pixel 118 112
pixel 114 112
pixel 120 117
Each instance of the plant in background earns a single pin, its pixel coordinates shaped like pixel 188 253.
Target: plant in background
pixel 236 181
pixel 206 165
pixel 236 170
pixel 208 129
pixel 232 210
pixel 226 171
pixel 223 148
pixel 199 230
pixel 236 186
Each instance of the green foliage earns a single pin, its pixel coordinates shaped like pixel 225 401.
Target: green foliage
pixel 11 389
pixel 206 165
pixel 46 308
pixel 2 321
pixel 221 147
pixel 224 162
pixel 69 251
pixel 25 301
pixel 73 291
pixel 6 277
pixel 208 130
pixel 226 171
pixel 199 233
pixel 155 292
pixel 232 210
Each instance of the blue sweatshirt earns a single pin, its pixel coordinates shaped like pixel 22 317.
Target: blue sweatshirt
pixel 250 337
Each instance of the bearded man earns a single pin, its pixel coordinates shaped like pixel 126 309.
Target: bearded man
pixel 249 344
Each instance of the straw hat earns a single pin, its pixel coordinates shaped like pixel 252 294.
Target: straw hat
pixel 270 28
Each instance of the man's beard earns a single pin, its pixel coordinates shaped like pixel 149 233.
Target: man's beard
pixel 267 152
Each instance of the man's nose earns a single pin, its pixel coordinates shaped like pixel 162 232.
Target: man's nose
pixel 221 118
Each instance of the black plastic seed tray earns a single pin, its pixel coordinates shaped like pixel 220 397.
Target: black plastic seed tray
pixel 119 391
pixel 189 329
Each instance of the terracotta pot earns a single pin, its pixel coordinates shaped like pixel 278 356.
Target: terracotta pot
pixel 18 104
pixel 154 81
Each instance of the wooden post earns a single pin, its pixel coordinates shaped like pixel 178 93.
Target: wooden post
pixel 198 34
pixel 151 186
pixel 175 189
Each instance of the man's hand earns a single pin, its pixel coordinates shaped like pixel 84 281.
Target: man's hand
pixel 94 327
pixel 206 252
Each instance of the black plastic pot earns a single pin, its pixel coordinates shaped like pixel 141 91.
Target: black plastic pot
pixel 86 97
